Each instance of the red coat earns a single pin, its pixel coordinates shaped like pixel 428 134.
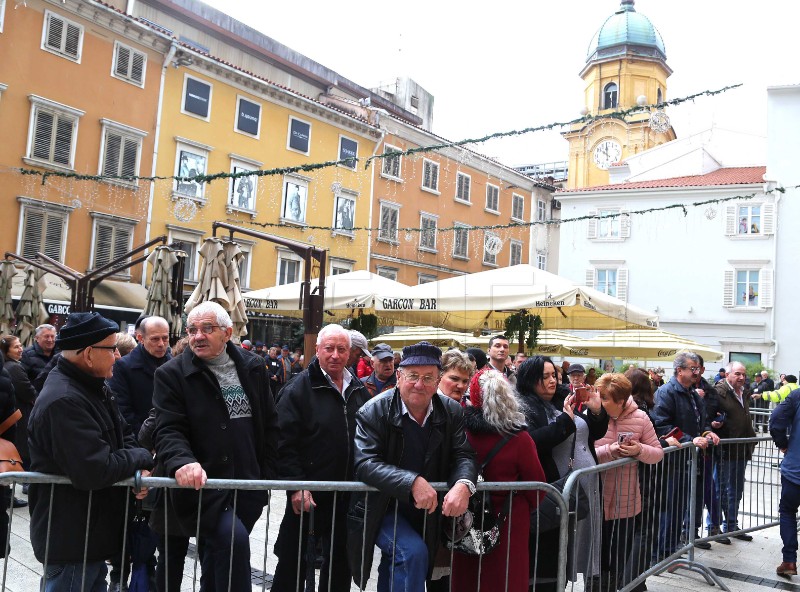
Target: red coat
pixel 516 461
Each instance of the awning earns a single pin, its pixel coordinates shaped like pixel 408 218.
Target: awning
pixel 108 294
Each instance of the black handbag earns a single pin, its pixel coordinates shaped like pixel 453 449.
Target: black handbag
pixel 477 531
pixel 548 515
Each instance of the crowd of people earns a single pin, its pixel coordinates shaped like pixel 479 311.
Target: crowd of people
pixel 209 409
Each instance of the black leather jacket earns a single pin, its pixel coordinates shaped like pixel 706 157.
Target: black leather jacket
pixel 379 449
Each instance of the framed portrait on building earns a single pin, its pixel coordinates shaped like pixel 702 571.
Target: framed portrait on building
pixel 295 196
pixel 243 189
pixel 345 213
pixel 190 164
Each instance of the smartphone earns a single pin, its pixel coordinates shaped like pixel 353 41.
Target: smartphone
pixel 581 395
pixel 673 433
pixel 625 437
pixel 721 417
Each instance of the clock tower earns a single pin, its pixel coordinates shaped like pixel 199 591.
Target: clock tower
pixel 626 66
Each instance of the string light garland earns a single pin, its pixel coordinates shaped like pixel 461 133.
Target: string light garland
pixel 200 179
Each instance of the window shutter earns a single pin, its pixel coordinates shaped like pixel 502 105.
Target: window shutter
pixel 73 40
pixel 55 30
pixel 122 242
pixel 730 221
pixel 113 147
pixel 590 277
pixel 53 236
pixel 728 288
pixel 130 153
pixel 768 218
pixel 43 134
pixel 592 227
pixel 622 283
pixel 765 288
pixel 137 67
pixel 123 61
pixel 32 233
pixel 63 143
pixel 103 245
pixel 624 226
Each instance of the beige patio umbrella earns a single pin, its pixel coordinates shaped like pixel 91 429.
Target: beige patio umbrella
pixel 159 295
pixel 7 273
pixel 549 342
pixel 411 335
pixel 30 308
pixel 219 281
pixel 646 345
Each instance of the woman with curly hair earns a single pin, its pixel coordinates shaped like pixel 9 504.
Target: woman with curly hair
pixel 493 414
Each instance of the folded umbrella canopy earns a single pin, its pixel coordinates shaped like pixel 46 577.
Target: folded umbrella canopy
pixel 646 345
pixel 30 308
pixel 483 300
pixel 7 273
pixel 159 295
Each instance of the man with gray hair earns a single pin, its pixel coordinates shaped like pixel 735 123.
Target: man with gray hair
pixel 359 348
pixel 316 416
pixel 215 418
pixel 677 405
pixel 36 356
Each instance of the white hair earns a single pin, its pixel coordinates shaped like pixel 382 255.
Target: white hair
pixel 222 316
pixel 333 329
pixel 500 406
pixel 44 327
pixel 764 374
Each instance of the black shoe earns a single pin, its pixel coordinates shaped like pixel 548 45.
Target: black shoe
pixel 743 537
pixel 20 503
pixel 25 488
pixel 702 545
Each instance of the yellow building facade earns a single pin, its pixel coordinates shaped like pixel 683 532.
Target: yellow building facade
pixel 625 68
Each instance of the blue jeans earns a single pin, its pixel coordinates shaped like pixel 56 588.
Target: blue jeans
pixel 731 482
pixel 404 556
pixel 790 501
pixel 66 577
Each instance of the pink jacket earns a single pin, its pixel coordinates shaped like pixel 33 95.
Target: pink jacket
pixel 621 497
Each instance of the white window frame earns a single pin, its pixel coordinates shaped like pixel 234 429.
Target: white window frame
pixel 245 270
pixel 389 205
pixel 388 163
pixel 241 164
pixel 345 265
pixel 496 192
pixel 541 260
pixel 465 228
pixel 766 287
pixel 541 210
pixel 459 185
pixel 301 184
pixel 433 166
pixel 488 259
pixel 132 55
pixel 733 215
pixel 426 237
pixel 239 99
pixel 387 272
pixel 289 135
pixel 515 245
pixel 127 134
pixel 341 193
pixel 116 224
pixel 425 278
pixel 191 148
pixel 339 154
pixel 518 207
pixel 287 255
pixel 193 237
pixel 49 209
pixel 59 112
pixel 621 283
pixel 2 14
pixel 186 78
pixel 49 17
pixel 610 224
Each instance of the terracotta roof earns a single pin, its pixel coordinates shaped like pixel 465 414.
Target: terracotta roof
pixel 723 176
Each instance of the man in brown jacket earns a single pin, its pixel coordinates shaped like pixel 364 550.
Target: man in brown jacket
pixel 729 412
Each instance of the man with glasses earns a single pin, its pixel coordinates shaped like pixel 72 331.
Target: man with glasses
pixel 678 405
pixel 407 438
pixel 215 418
pixel 76 430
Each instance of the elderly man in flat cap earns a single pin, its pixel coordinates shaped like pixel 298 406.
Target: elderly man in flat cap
pixel 76 430
pixel 405 439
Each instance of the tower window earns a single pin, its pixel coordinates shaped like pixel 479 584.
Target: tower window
pixel 659 97
pixel 610 93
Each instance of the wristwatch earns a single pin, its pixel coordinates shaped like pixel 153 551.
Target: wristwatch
pixel 470 485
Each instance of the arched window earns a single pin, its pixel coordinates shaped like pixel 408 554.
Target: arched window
pixel 610 96
pixel 659 96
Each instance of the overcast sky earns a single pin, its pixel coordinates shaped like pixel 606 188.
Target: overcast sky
pixel 504 64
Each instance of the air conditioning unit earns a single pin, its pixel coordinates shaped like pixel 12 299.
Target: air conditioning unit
pixel 556 204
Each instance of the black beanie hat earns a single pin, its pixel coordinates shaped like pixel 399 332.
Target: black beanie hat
pixel 84 329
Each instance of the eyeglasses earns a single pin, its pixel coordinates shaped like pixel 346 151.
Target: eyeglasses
pixel 693 369
pixel 205 329
pixel 426 380
pixel 112 348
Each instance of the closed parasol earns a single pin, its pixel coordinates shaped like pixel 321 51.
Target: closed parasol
pixel 30 309
pixel 159 294
pixel 7 272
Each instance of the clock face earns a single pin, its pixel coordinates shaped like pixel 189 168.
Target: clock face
pixel 607 153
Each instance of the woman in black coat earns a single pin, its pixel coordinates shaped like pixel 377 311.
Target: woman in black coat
pixel 25 394
pixel 553 422
pixel 8 405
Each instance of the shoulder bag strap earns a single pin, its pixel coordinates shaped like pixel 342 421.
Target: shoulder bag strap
pixel 493 452
pixel 10 421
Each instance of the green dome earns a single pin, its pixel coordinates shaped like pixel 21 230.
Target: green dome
pixel 626 31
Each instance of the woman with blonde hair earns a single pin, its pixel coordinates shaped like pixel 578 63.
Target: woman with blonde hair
pixel 493 414
pixel 457 369
pixel 630 435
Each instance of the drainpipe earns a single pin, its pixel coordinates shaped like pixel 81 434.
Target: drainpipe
pixel 771 186
pixel 129 7
pixel 170 54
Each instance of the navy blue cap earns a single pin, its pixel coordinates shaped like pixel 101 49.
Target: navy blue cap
pixel 422 354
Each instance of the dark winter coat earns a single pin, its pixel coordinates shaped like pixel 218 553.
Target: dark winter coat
pixel 25 396
pixel 681 407
pixel 34 360
pixel 132 383
pixel 379 449
pixel 737 424
pixel 76 430
pixel 372 386
pixel 192 423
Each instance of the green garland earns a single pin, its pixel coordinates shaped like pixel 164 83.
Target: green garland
pixel 618 115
